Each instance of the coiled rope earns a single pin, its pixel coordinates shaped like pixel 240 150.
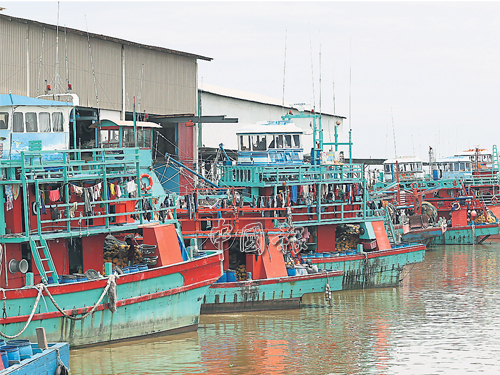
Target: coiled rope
pixel 110 286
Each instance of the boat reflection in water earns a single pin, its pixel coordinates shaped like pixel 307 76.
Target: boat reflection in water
pixel 443 319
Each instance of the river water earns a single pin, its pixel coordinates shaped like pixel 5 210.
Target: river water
pixel 443 319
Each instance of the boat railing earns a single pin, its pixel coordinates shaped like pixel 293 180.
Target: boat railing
pixel 261 176
pixel 35 171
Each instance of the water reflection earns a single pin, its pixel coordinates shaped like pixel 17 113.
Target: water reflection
pixel 443 319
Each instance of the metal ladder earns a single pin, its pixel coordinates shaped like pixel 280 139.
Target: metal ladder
pixel 389 228
pixel 36 246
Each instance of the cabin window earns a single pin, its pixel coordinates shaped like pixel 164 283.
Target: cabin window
pixel 57 122
pixel 128 138
pixel 456 167
pixel 245 143
pixel 4 120
pixel 296 141
pixel 279 141
pixel 259 143
pixel 31 122
pixel 144 138
pixel 18 123
pixel 462 167
pixel 288 141
pixel 44 118
pixel 271 142
pixel 387 168
pixel 109 138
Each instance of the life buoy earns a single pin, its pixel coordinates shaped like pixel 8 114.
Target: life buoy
pixel 144 187
pixel 455 206
pixel 414 185
pixel 494 199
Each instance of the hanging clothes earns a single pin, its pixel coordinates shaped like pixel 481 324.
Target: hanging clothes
pixel 294 193
pixel 77 190
pixel 42 202
pixel 16 188
pixel 112 189
pixel 87 206
pixel 10 197
pixel 118 191
pixel 54 195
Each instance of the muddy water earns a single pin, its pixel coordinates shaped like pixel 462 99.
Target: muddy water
pixel 444 319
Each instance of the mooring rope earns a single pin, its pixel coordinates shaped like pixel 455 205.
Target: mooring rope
pixel 110 286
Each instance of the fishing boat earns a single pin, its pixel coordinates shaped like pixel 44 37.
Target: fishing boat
pixel 442 208
pixel 90 249
pixel 292 214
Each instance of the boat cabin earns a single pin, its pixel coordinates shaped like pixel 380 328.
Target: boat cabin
pixel 120 134
pixel 270 143
pixel 409 168
pixel 453 167
pixel 30 124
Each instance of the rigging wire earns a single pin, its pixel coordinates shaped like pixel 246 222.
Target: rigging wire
pixel 40 64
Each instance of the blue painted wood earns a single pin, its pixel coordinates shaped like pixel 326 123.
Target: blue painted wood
pixel 42 362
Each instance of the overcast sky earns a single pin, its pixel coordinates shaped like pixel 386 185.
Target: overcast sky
pixel 431 70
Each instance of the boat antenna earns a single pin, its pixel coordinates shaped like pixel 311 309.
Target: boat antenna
pixel 312 70
pixel 92 64
pixel 68 85
pixel 57 77
pixel 284 71
pixel 140 90
pixel 350 81
pixel 40 64
pixel 320 76
pixel 333 88
pixel 394 135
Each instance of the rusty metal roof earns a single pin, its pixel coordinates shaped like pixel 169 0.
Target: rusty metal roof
pixel 108 38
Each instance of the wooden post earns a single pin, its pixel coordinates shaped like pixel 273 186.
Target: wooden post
pixel 40 337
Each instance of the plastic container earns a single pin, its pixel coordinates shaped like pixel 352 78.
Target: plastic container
pixel 5 358
pixel 67 279
pixel 2 343
pixel 142 267
pixel 133 269
pixel 12 353
pixel 126 269
pixel 231 276
pixel 223 278
pixel 291 272
pixel 25 350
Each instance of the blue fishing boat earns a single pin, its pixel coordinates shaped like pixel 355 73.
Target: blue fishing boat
pixel 90 248
pixel 31 360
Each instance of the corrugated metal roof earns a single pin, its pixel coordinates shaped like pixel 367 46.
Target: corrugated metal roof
pixel 108 38
pixel 251 97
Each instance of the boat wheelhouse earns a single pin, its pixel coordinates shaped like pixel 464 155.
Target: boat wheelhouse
pixel 453 167
pixel 270 143
pixel 405 168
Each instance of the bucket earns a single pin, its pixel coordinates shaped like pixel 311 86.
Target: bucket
pixel 5 359
pixel 223 278
pixel 25 350
pixel 231 276
pixel 12 353
pixel 291 272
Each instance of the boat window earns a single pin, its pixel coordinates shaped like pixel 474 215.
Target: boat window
pixel 4 120
pixel 259 143
pixel 144 138
pixel 288 141
pixel 44 118
pixel 462 167
pixel 271 141
pixel 387 168
pixel 469 166
pixel 456 167
pixel 18 123
pixel 279 141
pixel 245 143
pixel 128 138
pixel 31 122
pixel 296 141
pixel 109 138
pixel 57 122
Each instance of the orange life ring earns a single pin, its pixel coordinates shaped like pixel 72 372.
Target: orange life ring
pixel 414 185
pixel 144 187
pixel 455 206
pixel 494 199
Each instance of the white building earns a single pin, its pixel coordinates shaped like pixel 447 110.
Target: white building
pixel 250 108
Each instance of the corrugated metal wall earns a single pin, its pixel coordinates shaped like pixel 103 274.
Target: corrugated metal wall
pixel 163 83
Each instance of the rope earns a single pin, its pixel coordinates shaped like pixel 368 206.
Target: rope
pixel 111 281
pixel 111 285
pixel 29 319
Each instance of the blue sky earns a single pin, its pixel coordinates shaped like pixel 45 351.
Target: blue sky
pixel 430 68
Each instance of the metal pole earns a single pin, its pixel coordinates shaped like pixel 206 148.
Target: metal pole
pixel 135 125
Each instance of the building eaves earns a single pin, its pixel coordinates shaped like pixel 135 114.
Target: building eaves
pixel 108 38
